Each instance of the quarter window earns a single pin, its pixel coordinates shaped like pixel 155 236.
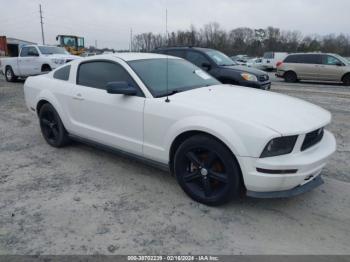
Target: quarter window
pixel 62 73
pixel 98 74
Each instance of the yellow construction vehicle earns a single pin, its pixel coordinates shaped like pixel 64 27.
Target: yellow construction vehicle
pixel 73 44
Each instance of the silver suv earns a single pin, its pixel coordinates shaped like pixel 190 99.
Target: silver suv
pixel 314 66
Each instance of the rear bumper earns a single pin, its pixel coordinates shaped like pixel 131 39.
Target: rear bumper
pixel 316 182
pixel 308 165
pixel 280 73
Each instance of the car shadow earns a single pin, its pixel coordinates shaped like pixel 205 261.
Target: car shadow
pixel 150 170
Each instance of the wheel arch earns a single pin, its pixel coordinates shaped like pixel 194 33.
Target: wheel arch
pixel 45 65
pixel 40 104
pixel 190 133
pixel 345 75
pixel 290 71
pixel 47 97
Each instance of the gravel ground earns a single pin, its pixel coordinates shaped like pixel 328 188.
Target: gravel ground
pixel 81 200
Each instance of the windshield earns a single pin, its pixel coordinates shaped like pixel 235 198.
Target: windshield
pixel 50 50
pixel 220 58
pixel 182 75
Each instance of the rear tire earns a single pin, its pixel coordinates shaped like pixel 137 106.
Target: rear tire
pixel 9 75
pixel 346 80
pixel 52 127
pixel 207 171
pixel 290 77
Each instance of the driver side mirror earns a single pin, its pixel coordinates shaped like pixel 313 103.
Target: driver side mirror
pixel 206 66
pixel 339 64
pixel 121 88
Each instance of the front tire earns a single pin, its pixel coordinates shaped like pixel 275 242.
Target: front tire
pixel 10 75
pixel 207 171
pixel 346 80
pixel 52 127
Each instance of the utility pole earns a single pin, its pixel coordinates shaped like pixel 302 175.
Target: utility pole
pixel 42 24
pixel 130 47
pixel 166 27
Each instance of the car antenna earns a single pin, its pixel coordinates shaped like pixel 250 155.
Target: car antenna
pixel 167 100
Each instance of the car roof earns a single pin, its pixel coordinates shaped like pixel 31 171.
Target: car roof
pixel 131 56
pixel 184 48
pixel 311 53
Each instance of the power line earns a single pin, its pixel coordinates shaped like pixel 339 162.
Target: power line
pixel 42 25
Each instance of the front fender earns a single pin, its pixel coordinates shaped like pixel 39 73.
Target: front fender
pixel 209 125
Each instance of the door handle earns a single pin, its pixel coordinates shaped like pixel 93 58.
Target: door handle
pixel 78 97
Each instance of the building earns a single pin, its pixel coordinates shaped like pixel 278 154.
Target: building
pixel 11 46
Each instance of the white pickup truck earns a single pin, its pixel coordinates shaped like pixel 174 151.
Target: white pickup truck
pixel 34 60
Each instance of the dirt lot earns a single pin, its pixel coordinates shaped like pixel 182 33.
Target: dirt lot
pixel 80 200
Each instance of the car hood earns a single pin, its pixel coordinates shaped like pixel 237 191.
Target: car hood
pixel 245 69
pixel 62 56
pixel 283 114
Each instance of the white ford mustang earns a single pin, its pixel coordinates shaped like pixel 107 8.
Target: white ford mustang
pixel 218 140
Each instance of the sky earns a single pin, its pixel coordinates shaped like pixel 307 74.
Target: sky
pixel 109 21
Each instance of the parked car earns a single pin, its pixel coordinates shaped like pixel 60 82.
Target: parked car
pixel 218 140
pixel 241 59
pixel 271 59
pixel 256 63
pixel 220 66
pixel 314 66
pixel 34 60
pixel 86 54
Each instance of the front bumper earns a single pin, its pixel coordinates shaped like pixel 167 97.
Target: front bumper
pixel 316 182
pixel 309 165
pixel 259 85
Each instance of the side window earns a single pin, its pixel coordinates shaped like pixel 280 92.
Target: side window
pixel 62 73
pixel 330 60
pixel 32 51
pixel 196 58
pixel 24 51
pixel 177 53
pixel 98 74
pixel 311 59
pixel 292 59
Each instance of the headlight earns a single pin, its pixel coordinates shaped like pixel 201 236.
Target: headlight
pixel 279 146
pixel 249 77
pixel 58 61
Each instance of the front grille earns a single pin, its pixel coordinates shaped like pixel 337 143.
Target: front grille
pixel 312 138
pixel 264 78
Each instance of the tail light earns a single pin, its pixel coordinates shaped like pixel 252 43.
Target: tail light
pixel 279 64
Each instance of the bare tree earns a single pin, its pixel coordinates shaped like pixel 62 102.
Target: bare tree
pixel 243 40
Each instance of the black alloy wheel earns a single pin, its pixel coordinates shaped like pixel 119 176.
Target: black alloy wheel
pixel 52 127
pixel 207 171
